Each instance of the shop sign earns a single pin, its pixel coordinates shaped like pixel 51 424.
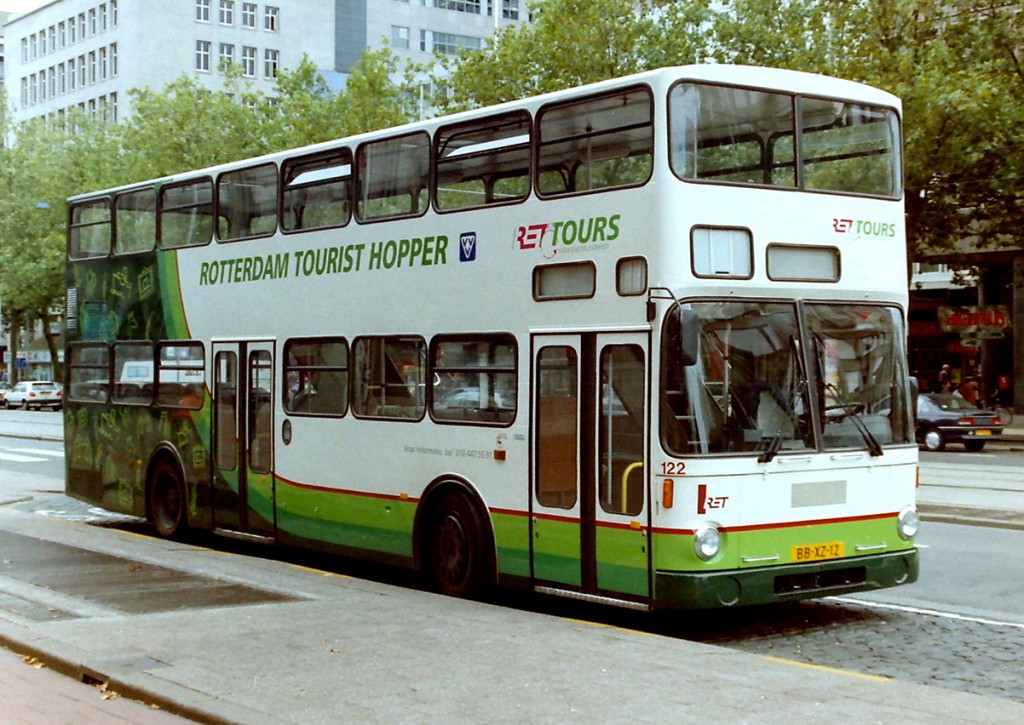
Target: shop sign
pixel 983 321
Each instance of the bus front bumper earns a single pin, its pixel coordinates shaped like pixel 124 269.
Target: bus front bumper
pixel 783 583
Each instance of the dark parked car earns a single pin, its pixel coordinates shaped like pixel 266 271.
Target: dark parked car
pixel 945 418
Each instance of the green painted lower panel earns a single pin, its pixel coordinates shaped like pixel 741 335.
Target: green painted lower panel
pixel 622 561
pixel 674 551
pixel 675 590
pixel 343 519
pixel 512 537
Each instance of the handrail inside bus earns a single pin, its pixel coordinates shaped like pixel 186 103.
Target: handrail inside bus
pixel 625 481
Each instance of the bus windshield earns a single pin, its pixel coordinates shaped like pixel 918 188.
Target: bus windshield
pixel 748 388
pixel 745 136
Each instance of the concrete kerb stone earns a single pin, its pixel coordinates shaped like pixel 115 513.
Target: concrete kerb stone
pixel 181 704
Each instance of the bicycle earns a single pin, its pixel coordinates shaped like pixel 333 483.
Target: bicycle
pixel 1004 412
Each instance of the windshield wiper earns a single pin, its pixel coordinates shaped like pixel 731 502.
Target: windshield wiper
pixel 769 447
pixel 853 411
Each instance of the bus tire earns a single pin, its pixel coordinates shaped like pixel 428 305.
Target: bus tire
pixel 456 563
pixel 167 509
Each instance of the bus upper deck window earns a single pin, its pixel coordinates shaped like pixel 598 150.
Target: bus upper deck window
pixel 392 177
pixel 601 142
pixel 186 213
pixel 89 234
pixel 247 203
pixel 483 162
pixel 317 191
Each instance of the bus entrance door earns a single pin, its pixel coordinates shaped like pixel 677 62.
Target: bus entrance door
pixel 243 437
pixel 590 501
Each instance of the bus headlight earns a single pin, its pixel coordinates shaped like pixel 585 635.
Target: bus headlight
pixel 908 523
pixel 707 541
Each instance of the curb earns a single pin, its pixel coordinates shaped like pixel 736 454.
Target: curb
pixel 967 516
pixel 86 675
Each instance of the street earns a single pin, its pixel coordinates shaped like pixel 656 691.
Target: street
pixel 960 627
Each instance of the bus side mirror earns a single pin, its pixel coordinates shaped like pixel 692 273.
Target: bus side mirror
pixel 686 328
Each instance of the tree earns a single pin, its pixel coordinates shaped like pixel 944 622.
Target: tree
pixel 570 43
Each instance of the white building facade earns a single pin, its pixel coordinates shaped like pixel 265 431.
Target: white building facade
pixel 88 54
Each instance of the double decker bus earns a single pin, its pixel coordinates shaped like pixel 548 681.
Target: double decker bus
pixel 640 342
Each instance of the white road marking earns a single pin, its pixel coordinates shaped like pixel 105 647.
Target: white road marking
pixel 929 612
pixel 37 452
pixel 15 458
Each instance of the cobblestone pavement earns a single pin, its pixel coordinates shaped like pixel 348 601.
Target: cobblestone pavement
pixel 953 653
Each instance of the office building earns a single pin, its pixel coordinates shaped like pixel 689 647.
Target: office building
pixel 88 54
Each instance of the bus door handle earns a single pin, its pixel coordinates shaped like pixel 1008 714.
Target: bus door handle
pixel 793 460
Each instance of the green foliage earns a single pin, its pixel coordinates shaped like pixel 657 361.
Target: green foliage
pixel 572 42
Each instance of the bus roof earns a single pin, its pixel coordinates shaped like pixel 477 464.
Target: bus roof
pixel 776 79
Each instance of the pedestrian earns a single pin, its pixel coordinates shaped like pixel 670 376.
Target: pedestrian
pixel 945 379
pixel 968 390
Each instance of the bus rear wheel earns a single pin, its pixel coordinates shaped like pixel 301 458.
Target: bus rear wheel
pixel 167 510
pixel 455 556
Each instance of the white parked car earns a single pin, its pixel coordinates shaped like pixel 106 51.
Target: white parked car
pixel 34 394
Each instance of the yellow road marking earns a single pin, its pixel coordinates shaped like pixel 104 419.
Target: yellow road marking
pixel 822 668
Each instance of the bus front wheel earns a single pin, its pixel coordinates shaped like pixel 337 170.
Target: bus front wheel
pixel 167 509
pixel 456 558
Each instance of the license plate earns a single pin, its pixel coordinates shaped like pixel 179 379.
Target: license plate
pixel 818 552
pixel 982 432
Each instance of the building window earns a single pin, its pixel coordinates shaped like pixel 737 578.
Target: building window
pixel 82 71
pixel 399 37
pixel 461 6
pixel 248 15
pixel 81 26
pixel 93 27
pixel 113 60
pixel 72 31
pixel 510 9
pixel 447 43
pixel 227 12
pixel 72 78
pixel 248 61
pixel 271 58
pixel 203 55
pixel 203 11
pixel 103 18
pixel 113 13
pixel 227 56
pixel 104 64
pixel 92 66
pixel 271 18
pixel 62 34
